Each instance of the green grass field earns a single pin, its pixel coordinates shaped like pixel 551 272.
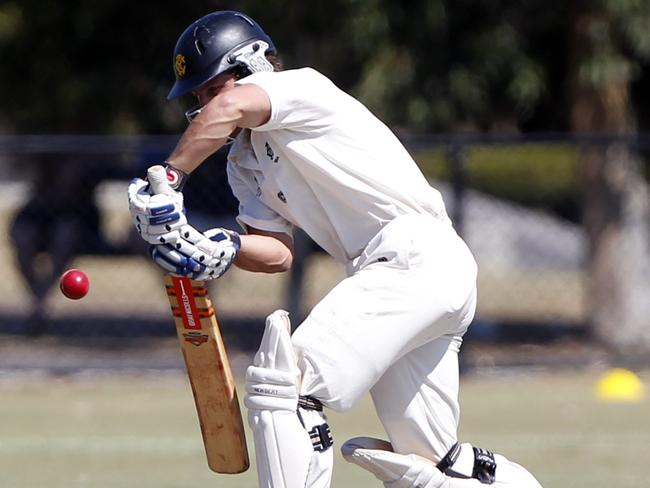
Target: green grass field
pixel 126 431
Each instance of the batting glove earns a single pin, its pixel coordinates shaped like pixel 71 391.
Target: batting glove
pixel 155 216
pixel 197 255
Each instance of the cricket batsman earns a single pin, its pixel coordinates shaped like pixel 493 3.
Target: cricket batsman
pixel 306 154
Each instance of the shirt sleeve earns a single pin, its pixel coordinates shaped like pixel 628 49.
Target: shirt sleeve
pixel 253 212
pixel 300 99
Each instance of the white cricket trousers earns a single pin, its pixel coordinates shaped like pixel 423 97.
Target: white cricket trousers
pixel 394 328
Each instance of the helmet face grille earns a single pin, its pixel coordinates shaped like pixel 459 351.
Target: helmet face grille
pixel 206 45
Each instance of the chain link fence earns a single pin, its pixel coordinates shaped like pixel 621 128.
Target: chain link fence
pixel 516 200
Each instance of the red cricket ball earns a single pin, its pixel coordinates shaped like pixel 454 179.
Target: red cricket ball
pixel 74 284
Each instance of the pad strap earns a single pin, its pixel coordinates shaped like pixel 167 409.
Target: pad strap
pixel 449 459
pixel 310 403
pixel 319 435
pixel 484 465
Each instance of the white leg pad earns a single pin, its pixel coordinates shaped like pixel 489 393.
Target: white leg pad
pixel 395 470
pixel 285 455
pixel 411 471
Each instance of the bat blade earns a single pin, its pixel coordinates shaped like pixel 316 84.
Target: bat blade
pixel 210 375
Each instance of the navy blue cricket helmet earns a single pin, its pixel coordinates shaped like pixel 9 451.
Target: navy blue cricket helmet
pixel 216 43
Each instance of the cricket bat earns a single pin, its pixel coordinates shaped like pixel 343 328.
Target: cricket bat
pixel 207 364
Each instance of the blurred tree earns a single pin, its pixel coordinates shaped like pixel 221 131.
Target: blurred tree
pixel 75 66
pixel 440 65
pixel 429 65
pixel 608 36
pixel 422 65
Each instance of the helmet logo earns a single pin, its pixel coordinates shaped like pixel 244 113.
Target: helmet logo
pixel 179 65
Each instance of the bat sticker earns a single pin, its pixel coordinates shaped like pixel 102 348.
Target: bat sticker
pixel 196 338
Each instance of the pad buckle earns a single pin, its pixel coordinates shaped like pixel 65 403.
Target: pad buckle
pixel 321 437
pixel 485 466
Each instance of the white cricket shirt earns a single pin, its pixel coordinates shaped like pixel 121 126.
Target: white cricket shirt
pixel 324 163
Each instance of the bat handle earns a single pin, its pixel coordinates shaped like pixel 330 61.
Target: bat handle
pixel 157 176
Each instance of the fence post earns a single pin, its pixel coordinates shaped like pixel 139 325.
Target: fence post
pixel 458 182
pixel 296 284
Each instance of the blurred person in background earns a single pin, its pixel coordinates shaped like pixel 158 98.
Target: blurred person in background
pixel 59 221
pixel 305 154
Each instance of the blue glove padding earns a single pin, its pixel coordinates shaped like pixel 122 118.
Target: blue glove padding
pixel 200 256
pixel 155 216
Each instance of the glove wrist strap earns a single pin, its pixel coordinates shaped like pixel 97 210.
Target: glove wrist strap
pixel 176 177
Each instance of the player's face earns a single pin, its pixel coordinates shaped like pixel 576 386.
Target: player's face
pixel 213 87
pixel 209 90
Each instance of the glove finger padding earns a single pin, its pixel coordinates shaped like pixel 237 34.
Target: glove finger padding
pixel 219 246
pixel 170 259
pixel 136 190
pixel 201 256
pixel 154 215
